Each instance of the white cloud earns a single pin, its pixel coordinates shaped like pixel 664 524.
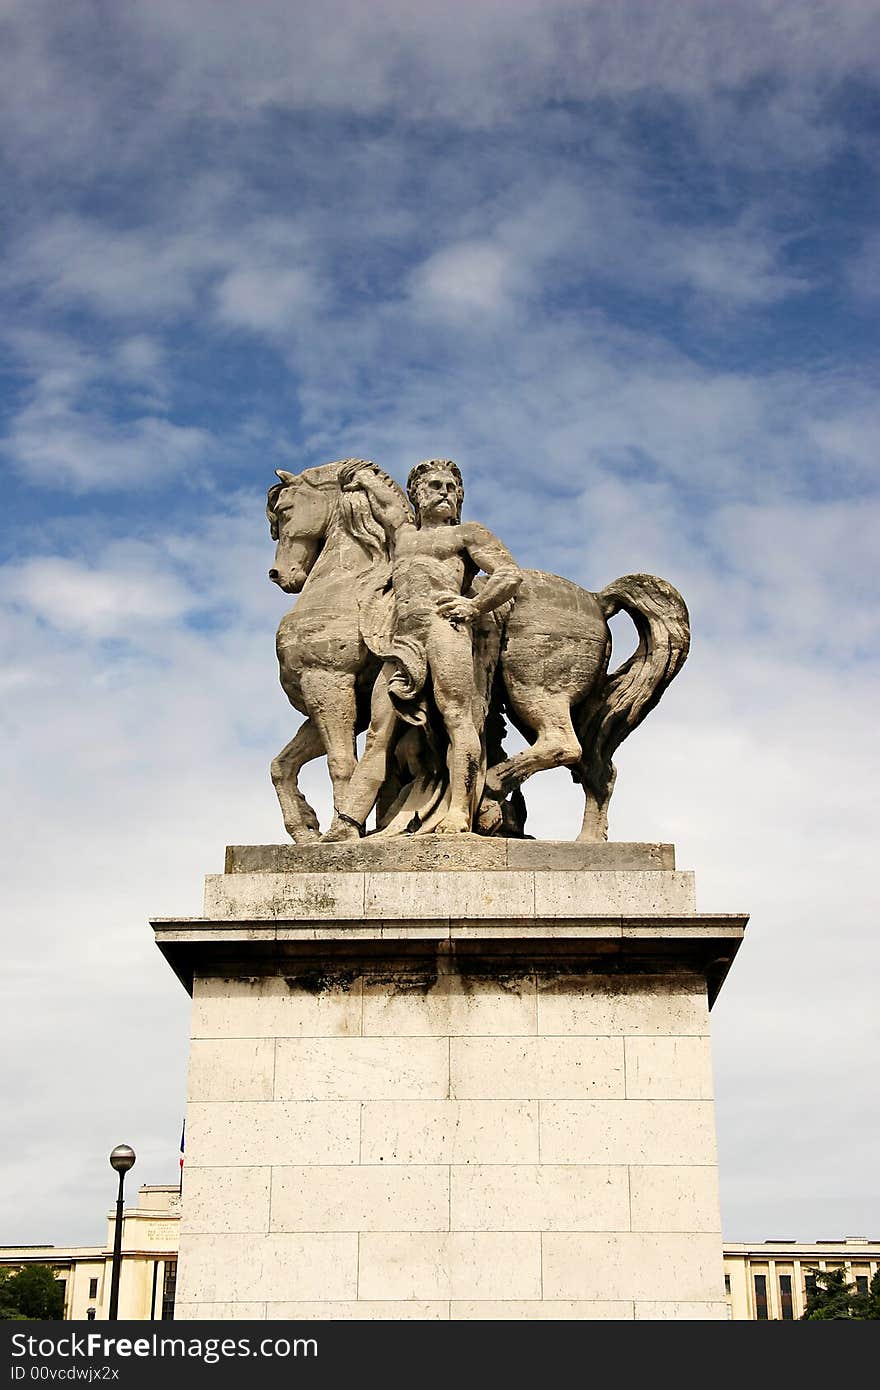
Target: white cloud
pixel 83 449
pixel 467 280
pixel 266 300
pixel 97 603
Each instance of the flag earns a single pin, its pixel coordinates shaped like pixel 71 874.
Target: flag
pixel 182 1134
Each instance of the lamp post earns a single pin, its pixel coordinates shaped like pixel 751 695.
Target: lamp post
pixel 121 1159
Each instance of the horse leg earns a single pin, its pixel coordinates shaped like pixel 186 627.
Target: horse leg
pixel 556 744
pixel 300 820
pixel 332 705
pixel 357 799
pixel 594 829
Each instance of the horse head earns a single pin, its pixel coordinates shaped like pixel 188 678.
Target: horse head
pixel 300 508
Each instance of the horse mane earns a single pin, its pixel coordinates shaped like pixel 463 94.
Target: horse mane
pixel 358 519
pixel 354 511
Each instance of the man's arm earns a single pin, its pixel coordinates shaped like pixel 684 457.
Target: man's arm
pixel 389 507
pixel 505 575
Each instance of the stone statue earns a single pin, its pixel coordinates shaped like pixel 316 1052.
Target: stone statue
pixel 424 629
pixel 435 559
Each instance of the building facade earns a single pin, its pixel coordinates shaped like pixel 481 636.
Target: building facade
pixel 769 1282
pixel 149 1262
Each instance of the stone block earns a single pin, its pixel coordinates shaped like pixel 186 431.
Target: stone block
pixel 240 1269
pixel 668 1068
pixel 631 1264
pixel 411 854
pixel 231 1069
pixel 450 1131
pixel 360 1311
pixel 226 1200
pixel 305 897
pixel 705 1311
pixel 219 1312
pixel 362 1198
pixel 273 1132
pixel 449 1004
pixel 674 1198
pixel 273 1006
pixel 464 894
pixel 593 1004
pixel 536 1068
pixel 574 857
pixel 560 1310
pixel 629 1131
pixel 539 1197
pixel 361 1069
pixel 460 1264
pixel 617 893
pixel 399 854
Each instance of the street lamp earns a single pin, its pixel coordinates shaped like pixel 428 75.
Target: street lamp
pixel 121 1159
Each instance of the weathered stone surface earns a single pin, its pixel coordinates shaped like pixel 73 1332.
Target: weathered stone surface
pixel 510 1310
pixel 365 1198
pixel 448 1116
pixel 630 1131
pixel 361 1069
pixel 219 1312
pixel 271 1132
pixel 458 1264
pixel 618 1265
pixel 578 1003
pixel 450 1131
pixel 227 1200
pixel 454 894
pixel 668 1068
pixel 654 1311
pixel 231 1069
pixel 539 1197
pixel 305 896
pixel 674 1198
pixel 412 853
pixel 536 1068
pixel 306 1265
pixel 449 1005
pixel 363 1310
pixel 276 1006
pixel 614 893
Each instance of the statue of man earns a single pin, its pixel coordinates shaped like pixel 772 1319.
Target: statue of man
pixel 435 559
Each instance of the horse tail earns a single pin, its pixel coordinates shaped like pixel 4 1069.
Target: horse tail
pixel 622 700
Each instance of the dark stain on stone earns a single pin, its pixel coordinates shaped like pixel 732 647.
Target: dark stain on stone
pixel 319 980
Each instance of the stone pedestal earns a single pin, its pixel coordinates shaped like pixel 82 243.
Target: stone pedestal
pixel 458 1078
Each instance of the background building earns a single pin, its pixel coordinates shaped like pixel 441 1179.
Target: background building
pixel 763 1282
pixel 149 1261
pixel 769 1282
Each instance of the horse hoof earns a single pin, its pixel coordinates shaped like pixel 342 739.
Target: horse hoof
pixel 339 832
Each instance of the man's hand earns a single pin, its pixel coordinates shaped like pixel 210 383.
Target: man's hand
pixel 354 474
pixel 457 609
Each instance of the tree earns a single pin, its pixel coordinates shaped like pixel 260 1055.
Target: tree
pixel 31 1292
pixel 833 1297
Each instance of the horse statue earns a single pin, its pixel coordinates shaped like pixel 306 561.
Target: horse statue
pixel 328 545
pixel 551 681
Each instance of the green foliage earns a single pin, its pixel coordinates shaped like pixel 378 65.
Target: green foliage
pixel 833 1297
pixel 31 1293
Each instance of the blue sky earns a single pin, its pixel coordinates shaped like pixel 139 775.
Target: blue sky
pixel 620 261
